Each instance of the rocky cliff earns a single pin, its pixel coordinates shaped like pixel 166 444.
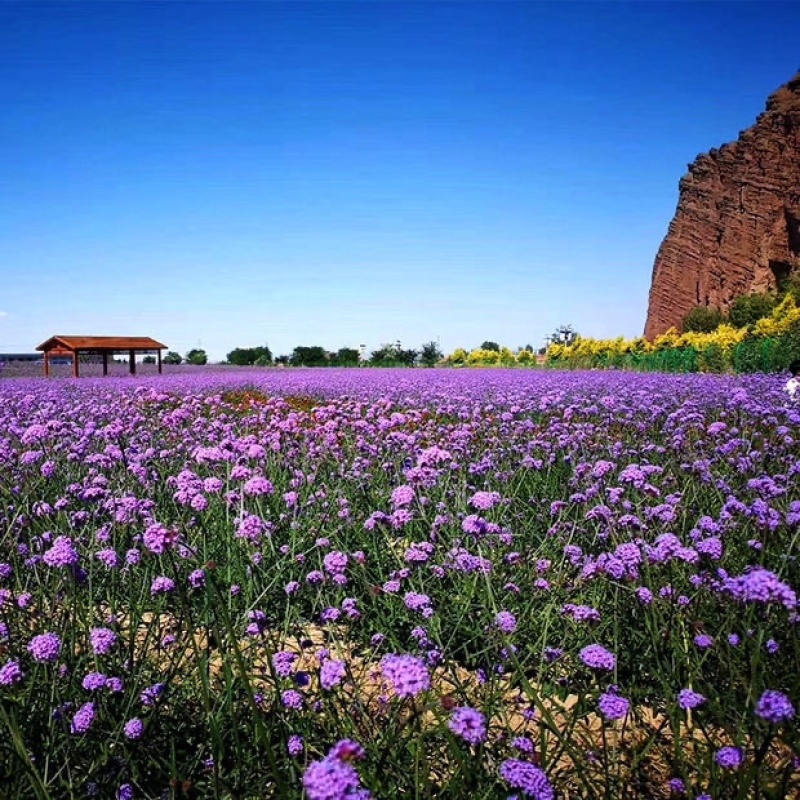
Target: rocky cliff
pixel 737 226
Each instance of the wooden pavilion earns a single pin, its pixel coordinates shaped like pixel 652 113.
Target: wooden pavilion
pixel 75 346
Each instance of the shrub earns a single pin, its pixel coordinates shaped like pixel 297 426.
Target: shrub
pixel 748 309
pixel 702 319
pixel 713 359
pixel 747 355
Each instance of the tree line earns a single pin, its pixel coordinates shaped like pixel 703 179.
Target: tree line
pixel 391 354
pixel 387 355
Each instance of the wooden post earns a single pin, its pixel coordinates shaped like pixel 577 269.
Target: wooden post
pixel 46 364
pixel 132 362
pixel 75 368
pixel 105 363
pixel 159 362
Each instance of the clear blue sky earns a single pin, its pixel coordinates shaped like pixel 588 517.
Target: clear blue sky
pixel 340 174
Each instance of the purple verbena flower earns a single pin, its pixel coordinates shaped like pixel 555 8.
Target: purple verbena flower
pixel 687 698
pixel 333 777
pixel 595 656
pixel 62 553
pixel 528 778
pixel 408 675
pixel 403 496
pixel 612 706
pixel 133 728
pixel 295 745
pixel 197 579
pixel 151 694
pixel 94 681
pixel 505 621
pixel 162 585
pixel 469 724
pixel 257 486
pixel 774 707
pixel 331 674
pixel 102 640
pixel 729 757
pixel 11 673
pixel 292 699
pixel 283 662
pixel 83 719
pixel 45 647
pixel 484 500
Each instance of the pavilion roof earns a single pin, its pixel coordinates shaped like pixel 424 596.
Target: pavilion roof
pixel 101 343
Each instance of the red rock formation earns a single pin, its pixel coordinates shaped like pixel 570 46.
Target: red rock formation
pixel 737 226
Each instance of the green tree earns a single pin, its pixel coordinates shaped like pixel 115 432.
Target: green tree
pixel 702 319
pixel 393 355
pixel 149 360
pixel 407 357
pixel 382 356
pixel 748 309
pixel 313 356
pixel 490 346
pixel 430 354
pixel 247 356
pixel 346 357
pixel 197 357
pixel 173 358
pixel 564 334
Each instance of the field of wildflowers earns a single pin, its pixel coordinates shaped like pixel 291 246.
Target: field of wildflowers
pixel 352 584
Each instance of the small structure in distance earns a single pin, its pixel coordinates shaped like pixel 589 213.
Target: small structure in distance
pixel 75 346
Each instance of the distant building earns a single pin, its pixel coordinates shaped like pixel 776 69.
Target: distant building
pixel 20 357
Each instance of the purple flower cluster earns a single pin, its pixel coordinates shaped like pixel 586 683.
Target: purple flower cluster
pixel 505 621
pixel 83 719
pixel 774 707
pixel 469 724
pixel 526 777
pixel 729 757
pixel 45 647
pixel 102 640
pixel 688 699
pixel 133 729
pixel 761 586
pixel 334 777
pixel 11 673
pixel 408 675
pixel 62 553
pixel 612 706
pixel 332 673
pixel 595 656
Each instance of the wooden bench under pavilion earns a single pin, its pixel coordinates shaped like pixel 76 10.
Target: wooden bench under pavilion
pixel 75 346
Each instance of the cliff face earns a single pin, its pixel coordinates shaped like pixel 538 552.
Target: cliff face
pixel 737 226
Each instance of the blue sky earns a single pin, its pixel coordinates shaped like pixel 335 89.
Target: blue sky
pixel 224 174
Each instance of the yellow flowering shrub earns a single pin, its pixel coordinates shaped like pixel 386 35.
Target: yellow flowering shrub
pixel 507 357
pixel 785 315
pixel 526 357
pixel 458 356
pixel 479 356
pixel 667 340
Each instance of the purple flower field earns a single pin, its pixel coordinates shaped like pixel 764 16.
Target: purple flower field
pixel 372 583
